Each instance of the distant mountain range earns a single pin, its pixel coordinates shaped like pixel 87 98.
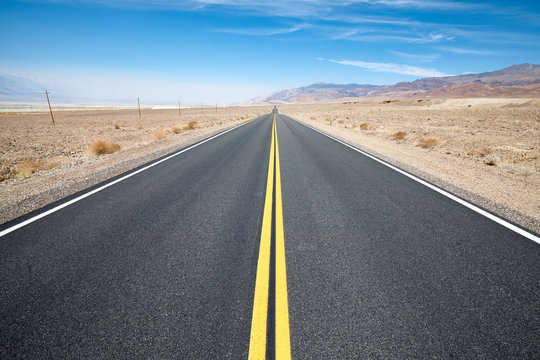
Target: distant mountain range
pixel 516 80
pixel 19 89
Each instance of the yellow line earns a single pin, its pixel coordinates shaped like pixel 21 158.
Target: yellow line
pixel 257 341
pixel 283 342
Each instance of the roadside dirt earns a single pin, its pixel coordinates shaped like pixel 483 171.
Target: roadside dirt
pixel 41 163
pixel 484 150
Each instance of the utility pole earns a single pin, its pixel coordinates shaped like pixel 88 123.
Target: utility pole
pixel 202 108
pixel 50 109
pixel 139 103
pixel 216 107
pixel 179 109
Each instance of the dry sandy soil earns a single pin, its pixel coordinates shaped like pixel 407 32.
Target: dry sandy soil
pixel 41 163
pixel 484 150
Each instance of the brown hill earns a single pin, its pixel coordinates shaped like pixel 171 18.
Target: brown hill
pixel 516 80
pixel 478 89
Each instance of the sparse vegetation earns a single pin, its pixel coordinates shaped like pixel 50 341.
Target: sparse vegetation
pixel 116 126
pixel 29 166
pixel 364 126
pixel 484 151
pixel 191 125
pixel 159 134
pixel 176 130
pixel 6 172
pixel 341 121
pixel 491 160
pixel 100 147
pixel 400 135
pixel 427 143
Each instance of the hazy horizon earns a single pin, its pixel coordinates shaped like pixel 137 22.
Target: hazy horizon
pixel 230 50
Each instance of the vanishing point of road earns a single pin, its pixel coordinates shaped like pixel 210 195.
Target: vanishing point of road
pixel 270 240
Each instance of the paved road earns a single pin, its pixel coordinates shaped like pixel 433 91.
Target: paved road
pixel 164 264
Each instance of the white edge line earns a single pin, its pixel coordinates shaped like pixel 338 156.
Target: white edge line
pixel 92 192
pixel 490 216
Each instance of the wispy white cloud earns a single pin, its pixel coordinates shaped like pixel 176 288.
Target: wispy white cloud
pixel 421 58
pixel 287 8
pixel 381 15
pixel 404 37
pixel 263 31
pixel 467 51
pixel 425 4
pixel 392 68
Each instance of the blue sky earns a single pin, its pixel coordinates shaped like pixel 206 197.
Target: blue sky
pixel 229 50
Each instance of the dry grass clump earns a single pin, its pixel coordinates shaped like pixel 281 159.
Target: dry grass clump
pixel 159 134
pixel 484 151
pixel 100 147
pixel 29 166
pixel 427 143
pixel 176 130
pixel 193 124
pixel 491 160
pixel 400 135
pixel 312 118
pixel 116 126
pixel 6 172
pixel 364 126
pixel 341 121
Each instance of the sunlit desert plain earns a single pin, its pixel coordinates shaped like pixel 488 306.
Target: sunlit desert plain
pixel 484 150
pixel 41 162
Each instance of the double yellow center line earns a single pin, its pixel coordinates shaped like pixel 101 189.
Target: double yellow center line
pixel 259 326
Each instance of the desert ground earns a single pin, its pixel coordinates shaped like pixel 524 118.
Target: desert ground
pixel 41 163
pixel 484 150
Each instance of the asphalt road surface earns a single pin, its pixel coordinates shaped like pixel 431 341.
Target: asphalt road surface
pixel 167 263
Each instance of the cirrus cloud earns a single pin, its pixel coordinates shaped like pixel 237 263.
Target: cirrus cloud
pixel 391 68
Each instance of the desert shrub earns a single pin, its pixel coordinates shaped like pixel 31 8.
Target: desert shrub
pixel 191 125
pixel 364 126
pixel 176 130
pixel 159 134
pixel 341 121
pixel 400 135
pixel 491 160
pixel 484 151
pixel 29 166
pixel 6 172
pixel 427 143
pixel 312 118
pixel 116 126
pixel 100 147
